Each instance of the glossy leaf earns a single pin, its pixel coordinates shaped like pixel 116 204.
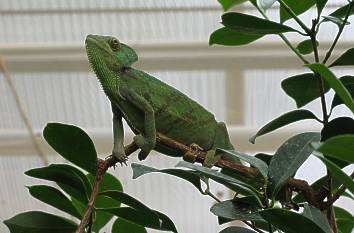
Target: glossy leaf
pixel 226 36
pixel 221 178
pixel 333 82
pixel 109 183
pixel 340 147
pixel 283 120
pixel 236 230
pixel 344 219
pixel 338 174
pixel 257 163
pixel 39 222
pixel 336 127
pixel 139 170
pixel 236 211
pixel 249 24
pixel 289 157
pixel 127 200
pixel 346 59
pixel 317 217
pixel 320 5
pixel 73 144
pixel 335 20
pixel 342 11
pixel 290 222
pixel 124 226
pixel 142 218
pixel 65 176
pixel 55 198
pixel 297 6
pixel 166 223
pixel 227 4
pixel 303 88
pixel 305 47
pixel 348 82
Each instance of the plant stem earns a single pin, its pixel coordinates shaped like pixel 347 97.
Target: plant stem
pixel 297 19
pixel 286 41
pixel 213 196
pixel 313 37
pixel 341 28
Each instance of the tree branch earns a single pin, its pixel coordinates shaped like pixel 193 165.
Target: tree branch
pixel 194 155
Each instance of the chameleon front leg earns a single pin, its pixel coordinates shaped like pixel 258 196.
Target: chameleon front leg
pixel 146 141
pixel 118 136
pixel 222 140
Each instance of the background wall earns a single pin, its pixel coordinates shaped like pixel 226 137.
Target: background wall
pixel 42 42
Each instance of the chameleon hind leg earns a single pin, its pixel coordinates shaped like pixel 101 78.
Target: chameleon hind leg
pixel 222 140
pixel 146 141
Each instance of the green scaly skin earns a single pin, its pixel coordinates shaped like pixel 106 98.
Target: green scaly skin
pixel 149 105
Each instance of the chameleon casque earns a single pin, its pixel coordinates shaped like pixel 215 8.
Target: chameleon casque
pixel 149 105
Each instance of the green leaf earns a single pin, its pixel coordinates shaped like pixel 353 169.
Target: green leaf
pixel 342 11
pixel 297 6
pixel 346 59
pixel 73 144
pixel 166 223
pixel 39 222
pixel 320 5
pixel 303 88
pixel 55 198
pixel 123 226
pixel 67 177
pixel 109 182
pixel 236 211
pixel 226 36
pixel 221 178
pixel 333 82
pixel 305 47
pixel 264 157
pixel 340 147
pixel 317 217
pixel 283 120
pixel 141 218
pixel 338 174
pixel 139 170
pixel 290 222
pixel 227 4
pixel 336 127
pixel 348 82
pixel 257 163
pixel 343 214
pixel 236 230
pixel 129 201
pixel 249 24
pixel 289 157
pixel 335 20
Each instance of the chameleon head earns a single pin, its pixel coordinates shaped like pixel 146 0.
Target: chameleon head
pixel 107 56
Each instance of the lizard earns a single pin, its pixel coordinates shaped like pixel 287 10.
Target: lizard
pixel 149 105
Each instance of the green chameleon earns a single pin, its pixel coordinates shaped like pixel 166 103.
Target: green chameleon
pixel 149 105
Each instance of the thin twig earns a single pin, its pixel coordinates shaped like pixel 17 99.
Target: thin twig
pixel 25 119
pixel 341 28
pixel 213 196
pixel 295 184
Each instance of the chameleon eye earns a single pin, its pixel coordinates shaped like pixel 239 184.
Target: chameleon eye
pixel 114 44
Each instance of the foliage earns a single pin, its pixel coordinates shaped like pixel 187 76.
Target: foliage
pixel 265 202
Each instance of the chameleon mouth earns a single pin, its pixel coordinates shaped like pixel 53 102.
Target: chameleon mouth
pixel 94 50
